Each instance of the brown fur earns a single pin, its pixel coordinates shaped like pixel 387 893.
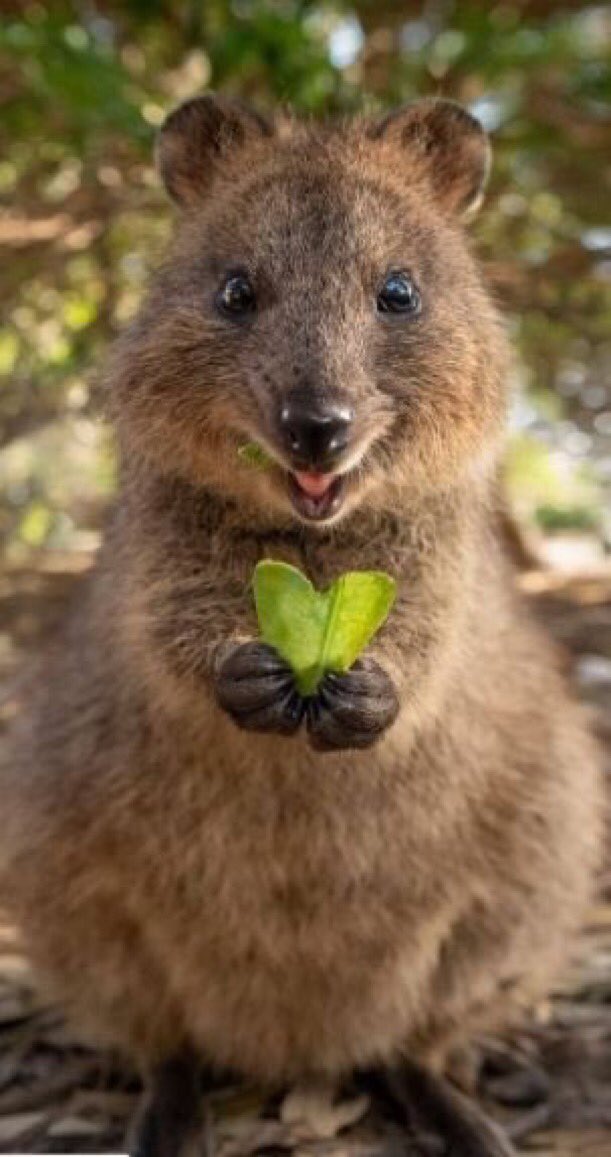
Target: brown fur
pixel 182 882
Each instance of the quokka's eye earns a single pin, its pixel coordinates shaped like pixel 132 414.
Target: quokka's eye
pixel 399 294
pixel 236 297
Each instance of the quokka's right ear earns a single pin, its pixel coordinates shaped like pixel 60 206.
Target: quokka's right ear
pixel 195 138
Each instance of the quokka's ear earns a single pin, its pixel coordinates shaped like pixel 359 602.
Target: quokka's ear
pixel 448 143
pixel 195 138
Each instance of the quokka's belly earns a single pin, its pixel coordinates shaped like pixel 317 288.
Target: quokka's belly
pixel 295 909
pixel 305 995
pixel 305 942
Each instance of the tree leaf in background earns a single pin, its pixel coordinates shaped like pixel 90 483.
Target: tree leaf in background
pixel 319 631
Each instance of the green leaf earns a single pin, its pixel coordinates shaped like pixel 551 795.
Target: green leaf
pixel 319 631
pixel 255 455
pixel 359 602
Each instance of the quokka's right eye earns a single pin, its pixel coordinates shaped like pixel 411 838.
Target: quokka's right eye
pixel 236 297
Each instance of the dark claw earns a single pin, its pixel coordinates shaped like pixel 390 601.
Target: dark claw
pixel 352 710
pixel 367 680
pixel 282 717
pixel 257 689
pixel 252 694
pixel 434 1113
pixel 170 1116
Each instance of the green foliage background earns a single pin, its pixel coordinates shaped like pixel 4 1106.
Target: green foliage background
pixel 84 86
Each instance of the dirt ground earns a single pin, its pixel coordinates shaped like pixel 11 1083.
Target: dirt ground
pixel 550 1084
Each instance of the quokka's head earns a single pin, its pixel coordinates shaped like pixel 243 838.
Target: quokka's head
pixel 319 300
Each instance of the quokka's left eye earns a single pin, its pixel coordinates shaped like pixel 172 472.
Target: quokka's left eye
pixel 399 294
pixel 236 297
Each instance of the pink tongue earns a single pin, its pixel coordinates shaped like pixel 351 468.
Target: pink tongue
pixel 314 485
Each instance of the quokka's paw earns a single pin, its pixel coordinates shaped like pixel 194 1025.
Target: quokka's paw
pixel 438 1119
pixel 352 710
pixel 169 1121
pixel 257 689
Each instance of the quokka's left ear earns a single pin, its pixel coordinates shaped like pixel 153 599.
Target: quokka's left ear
pixel 448 143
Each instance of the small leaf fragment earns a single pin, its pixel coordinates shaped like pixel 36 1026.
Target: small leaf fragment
pixel 254 455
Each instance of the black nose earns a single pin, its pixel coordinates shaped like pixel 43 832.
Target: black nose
pixel 315 435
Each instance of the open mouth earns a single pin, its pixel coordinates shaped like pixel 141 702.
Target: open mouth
pixel 316 496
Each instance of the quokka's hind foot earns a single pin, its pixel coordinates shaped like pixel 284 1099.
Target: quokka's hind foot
pixel 439 1121
pixel 169 1122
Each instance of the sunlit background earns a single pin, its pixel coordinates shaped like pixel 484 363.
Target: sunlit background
pixel 84 87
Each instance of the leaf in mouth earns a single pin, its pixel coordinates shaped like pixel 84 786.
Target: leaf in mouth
pixel 319 631
pixel 254 455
